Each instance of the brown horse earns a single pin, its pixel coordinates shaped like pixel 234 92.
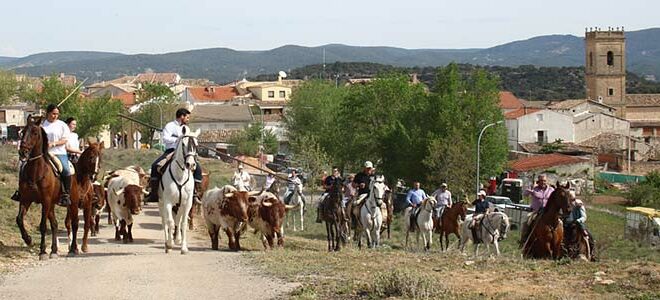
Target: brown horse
pixel 332 215
pixel 545 238
pixel 87 168
pixel 448 222
pixel 39 184
pixel 387 212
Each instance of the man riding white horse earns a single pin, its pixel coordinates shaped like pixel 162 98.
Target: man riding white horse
pixel 328 184
pixel 414 198
pixel 242 179
pixel 292 182
pixel 170 134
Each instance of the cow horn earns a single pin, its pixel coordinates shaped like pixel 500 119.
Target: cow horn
pixel 267 204
pixel 289 206
pixel 197 201
pixel 119 192
pixel 229 195
pixel 145 192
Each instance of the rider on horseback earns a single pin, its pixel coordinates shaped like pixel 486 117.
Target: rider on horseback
pixel 292 182
pixel 444 200
pixel 241 179
pixel 328 184
pixel 414 198
pixel 171 134
pixel 575 221
pixel 540 195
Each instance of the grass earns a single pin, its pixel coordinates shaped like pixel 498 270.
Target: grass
pixel 392 271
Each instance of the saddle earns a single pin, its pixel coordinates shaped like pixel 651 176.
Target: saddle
pixel 57 167
pixel 476 230
pixel 162 165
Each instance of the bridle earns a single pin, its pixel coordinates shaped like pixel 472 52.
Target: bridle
pixel 189 150
pixel 25 141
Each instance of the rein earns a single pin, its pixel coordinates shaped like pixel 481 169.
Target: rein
pixel 179 186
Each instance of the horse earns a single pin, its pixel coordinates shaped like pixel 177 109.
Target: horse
pixel 545 238
pixel 388 212
pixel 87 168
pixel 38 183
pixel 371 218
pixel 423 222
pixel 332 215
pixel 493 228
pixel 449 223
pixel 176 189
pixel 297 206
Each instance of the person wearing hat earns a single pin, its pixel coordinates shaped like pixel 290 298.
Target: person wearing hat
pixel 171 133
pixel 362 180
pixel 292 181
pixel 241 179
pixel 444 200
pixel 481 206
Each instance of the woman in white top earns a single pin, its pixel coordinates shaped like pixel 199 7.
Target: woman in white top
pixel 73 142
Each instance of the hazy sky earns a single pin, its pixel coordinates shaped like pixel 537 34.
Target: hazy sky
pixel 158 26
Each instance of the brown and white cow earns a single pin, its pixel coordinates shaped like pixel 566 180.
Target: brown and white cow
pixel 266 214
pixel 124 200
pixel 98 203
pixel 225 208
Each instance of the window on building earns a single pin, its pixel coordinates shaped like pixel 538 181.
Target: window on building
pixel 539 117
pixel 271 94
pixel 610 58
pixel 591 59
pixel 610 92
pixel 282 94
pixel 541 137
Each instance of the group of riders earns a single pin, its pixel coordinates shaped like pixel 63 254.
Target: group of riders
pixel 63 144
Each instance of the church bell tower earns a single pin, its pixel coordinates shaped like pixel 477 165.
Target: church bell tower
pixel 605 66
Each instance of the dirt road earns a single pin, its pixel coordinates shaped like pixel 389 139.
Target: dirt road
pixel 141 270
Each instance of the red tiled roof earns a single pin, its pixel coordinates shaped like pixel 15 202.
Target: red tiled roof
pixel 543 161
pixel 213 93
pixel 509 101
pixel 127 99
pixel 515 114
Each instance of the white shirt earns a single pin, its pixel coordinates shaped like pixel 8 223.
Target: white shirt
pixel 241 180
pixel 269 181
pixel 293 181
pixel 73 141
pixel 171 134
pixel 444 198
pixel 56 131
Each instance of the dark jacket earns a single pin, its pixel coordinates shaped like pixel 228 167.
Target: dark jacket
pixel 480 207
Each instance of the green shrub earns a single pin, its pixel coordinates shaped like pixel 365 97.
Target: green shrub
pixel 405 284
pixel 646 193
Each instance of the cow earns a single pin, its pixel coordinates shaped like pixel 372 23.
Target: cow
pixel 266 214
pixel 225 208
pixel 124 200
pixel 98 203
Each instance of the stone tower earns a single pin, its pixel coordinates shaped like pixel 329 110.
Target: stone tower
pixel 605 67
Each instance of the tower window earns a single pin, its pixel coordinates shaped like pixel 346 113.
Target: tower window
pixel 591 59
pixel 610 58
pixel 610 92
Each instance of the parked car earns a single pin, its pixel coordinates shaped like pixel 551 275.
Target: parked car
pixel 276 167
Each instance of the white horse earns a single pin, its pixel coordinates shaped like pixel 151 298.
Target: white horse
pixel 295 206
pixel 177 188
pixel 493 228
pixel 371 218
pixel 424 222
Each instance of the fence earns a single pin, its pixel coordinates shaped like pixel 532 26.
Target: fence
pixel 621 178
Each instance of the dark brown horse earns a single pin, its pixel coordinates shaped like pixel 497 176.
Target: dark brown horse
pixel 545 238
pixel 448 222
pixel 87 168
pixel 332 215
pixel 38 184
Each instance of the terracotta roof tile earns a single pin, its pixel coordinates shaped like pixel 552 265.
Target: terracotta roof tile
pixel 163 78
pixel 543 161
pixel 515 114
pixel 509 101
pixel 643 99
pixel 213 93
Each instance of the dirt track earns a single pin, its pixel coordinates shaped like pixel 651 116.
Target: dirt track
pixel 141 270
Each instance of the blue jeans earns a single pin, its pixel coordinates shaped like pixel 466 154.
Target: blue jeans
pixel 197 174
pixel 64 159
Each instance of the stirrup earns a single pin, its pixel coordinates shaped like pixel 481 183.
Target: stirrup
pixel 65 200
pixel 16 196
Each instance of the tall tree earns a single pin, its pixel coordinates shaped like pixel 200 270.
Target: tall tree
pixel 8 86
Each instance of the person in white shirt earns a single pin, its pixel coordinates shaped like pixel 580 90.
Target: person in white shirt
pixel 269 185
pixel 170 135
pixel 73 142
pixel 444 200
pixel 292 181
pixel 241 179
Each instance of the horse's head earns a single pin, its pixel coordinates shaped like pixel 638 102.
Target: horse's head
pixel 560 198
pixel 89 162
pixel 188 145
pixel 461 206
pixel 504 225
pixel 337 188
pixel 430 203
pixel 377 189
pixel 34 138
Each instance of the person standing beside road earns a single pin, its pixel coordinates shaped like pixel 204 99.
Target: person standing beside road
pixel 444 200
pixel 540 194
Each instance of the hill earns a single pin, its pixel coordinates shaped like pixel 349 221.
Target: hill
pixel 223 64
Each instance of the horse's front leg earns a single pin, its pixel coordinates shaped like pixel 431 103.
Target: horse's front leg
pixel 328 235
pixel 75 223
pixel 168 224
pixel 178 221
pixel 184 233
pixel 302 217
pixel 53 230
pixel 88 226
pixel 20 221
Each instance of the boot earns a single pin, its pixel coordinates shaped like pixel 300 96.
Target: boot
pixel 65 198
pixel 153 193
pixel 16 197
pixel 198 193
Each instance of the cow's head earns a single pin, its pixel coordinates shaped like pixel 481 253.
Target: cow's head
pixel 237 205
pixel 98 195
pixel 133 198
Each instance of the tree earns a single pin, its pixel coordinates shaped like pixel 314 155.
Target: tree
pixel 97 114
pixel 157 100
pixel 310 156
pixel 247 141
pixel 646 193
pixel 8 86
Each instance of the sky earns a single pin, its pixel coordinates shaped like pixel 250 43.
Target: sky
pixel 161 26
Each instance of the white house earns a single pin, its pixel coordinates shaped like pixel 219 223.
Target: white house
pixel 528 125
